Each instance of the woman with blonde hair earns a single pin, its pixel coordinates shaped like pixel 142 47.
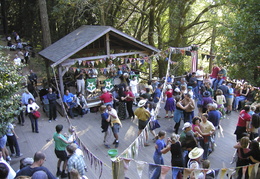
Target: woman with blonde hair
pixel 177 158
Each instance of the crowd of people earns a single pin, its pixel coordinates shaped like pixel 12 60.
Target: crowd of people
pixel 212 94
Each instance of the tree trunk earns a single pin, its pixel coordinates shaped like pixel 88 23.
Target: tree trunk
pixel 4 19
pixel 45 32
pixel 213 39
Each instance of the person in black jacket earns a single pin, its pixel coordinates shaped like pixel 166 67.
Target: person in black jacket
pixel 52 105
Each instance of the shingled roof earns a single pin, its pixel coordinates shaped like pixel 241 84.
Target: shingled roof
pixel 75 41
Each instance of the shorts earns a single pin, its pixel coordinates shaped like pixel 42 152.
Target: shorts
pixel 3 140
pixel 142 124
pixel 61 154
pixel 230 101
pixel 116 128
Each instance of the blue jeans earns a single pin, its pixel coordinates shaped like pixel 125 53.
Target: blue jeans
pixel 71 105
pixel 158 159
pixel 238 99
pixel 187 116
pixel 34 123
pixel 205 145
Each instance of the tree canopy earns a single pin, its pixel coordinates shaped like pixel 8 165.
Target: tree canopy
pixel 227 28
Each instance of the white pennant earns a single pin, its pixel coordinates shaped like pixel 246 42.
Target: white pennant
pixel 140 168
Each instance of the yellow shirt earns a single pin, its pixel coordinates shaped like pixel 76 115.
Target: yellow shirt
pixel 142 114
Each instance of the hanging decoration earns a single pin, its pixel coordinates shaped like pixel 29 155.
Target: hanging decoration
pixel 91 85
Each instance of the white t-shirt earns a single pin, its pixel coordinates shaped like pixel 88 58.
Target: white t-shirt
pixel 11 174
pixel 199 73
pixel 133 84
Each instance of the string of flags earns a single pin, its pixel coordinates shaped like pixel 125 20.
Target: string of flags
pixel 123 164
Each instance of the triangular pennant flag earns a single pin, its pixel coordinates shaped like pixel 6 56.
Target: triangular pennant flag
pixel 186 172
pixel 244 169
pixel 256 168
pixel 84 63
pixel 91 85
pixel 93 63
pixel 182 52
pixel 175 172
pixel 100 60
pixel 130 60
pixel 140 168
pixel 196 172
pixel 202 56
pixel 188 53
pixel 222 173
pixel 164 171
pixel 229 172
pixel 208 57
pixel 216 173
pixel 126 164
pixel 109 84
pixel 74 69
pixel 79 61
pixel 97 62
pixel 250 168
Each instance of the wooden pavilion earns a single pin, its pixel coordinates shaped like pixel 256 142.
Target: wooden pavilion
pixel 89 43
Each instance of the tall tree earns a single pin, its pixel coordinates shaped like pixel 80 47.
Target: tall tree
pixel 45 32
pixel 240 36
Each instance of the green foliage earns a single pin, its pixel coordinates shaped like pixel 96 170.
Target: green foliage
pixel 10 84
pixel 240 40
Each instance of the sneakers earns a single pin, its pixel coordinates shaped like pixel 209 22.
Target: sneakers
pixel 107 146
pixel 49 121
pixel 64 175
pixel 17 156
pixel 116 144
pixel 114 141
pixel 13 155
pixel 58 173
pixel 8 159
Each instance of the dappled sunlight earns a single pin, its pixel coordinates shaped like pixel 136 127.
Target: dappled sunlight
pixel 82 132
pixel 46 146
pixel 131 133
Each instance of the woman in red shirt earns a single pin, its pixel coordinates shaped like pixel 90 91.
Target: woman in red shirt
pixel 170 102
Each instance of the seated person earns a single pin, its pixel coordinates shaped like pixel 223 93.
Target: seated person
pixel 82 105
pixel 69 102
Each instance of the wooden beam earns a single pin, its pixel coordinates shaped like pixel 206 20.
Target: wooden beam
pixel 107 44
pixel 70 62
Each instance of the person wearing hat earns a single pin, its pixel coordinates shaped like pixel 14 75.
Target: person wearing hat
pixel 189 90
pixel 170 103
pixel 186 128
pixel 154 83
pixel 206 99
pixel 143 118
pixel 194 157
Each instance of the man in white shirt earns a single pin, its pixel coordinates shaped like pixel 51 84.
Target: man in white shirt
pixel 133 84
pixel 199 76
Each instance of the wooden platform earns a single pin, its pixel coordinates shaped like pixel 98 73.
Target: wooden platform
pixel 89 131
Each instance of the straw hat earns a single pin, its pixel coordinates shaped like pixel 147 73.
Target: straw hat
pixel 196 153
pixel 141 103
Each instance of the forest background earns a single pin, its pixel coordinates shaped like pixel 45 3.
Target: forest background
pixel 227 30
